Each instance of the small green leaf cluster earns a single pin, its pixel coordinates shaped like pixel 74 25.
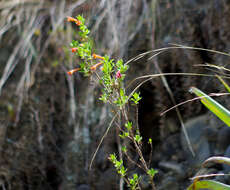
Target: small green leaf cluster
pixel 133 182
pixel 112 78
pixel 121 99
pixel 138 138
pixel 84 31
pixel 107 79
pixel 136 98
pixel 128 126
pixel 150 141
pixel 122 68
pixel 118 165
pixel 151 172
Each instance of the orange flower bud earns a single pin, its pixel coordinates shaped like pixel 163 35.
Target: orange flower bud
pixel 74 50
pixel 71 19
pixel 95 56
pixel 94 67
pixel 78 22
pixel 71 72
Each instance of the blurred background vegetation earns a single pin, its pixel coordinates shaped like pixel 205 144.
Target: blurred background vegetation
pixel 50 123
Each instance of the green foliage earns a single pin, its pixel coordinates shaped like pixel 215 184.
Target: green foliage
pixel 124 134
pixel 84 31
pixel 151 172
pixel 136 98
pixel 213 106
pixel 224 83
pixel 121 66
pixel 128 125
pixel 208 184
pixel 118 165
pixel 224 115
pixel 150 141
pixel 124 149
pixel 111 77
pixel 133 182
pixel 138 138
pixel 122 99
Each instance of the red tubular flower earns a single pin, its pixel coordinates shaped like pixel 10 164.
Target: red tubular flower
pixel 74 50
pixel 71 72
pixel 78 22
pixel 94 67
pixel 71 19
pixel 118 75
pixel 95 56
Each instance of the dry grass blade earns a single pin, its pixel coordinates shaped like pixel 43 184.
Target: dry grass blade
pixel 193 99
pixel 28 17
pixel 207 176
pixel 105 134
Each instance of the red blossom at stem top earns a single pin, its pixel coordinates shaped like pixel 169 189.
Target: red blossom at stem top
pixel 74 50
pixel 118 75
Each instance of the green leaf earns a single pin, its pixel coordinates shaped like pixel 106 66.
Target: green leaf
pixel 124 134
pixel 213 106
pixel 122 171
pixel 138 138
pixel 136 98
pixel 121 67
pixel 150 141
pixel 152 172
pixel 128 125
pixel 124 149
pixel 133 182
pixel 208 184
pixel 224 83
pixel 113 158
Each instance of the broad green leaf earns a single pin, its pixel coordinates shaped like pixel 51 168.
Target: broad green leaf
pixel 224 83
pixel 217 159
pixel 213 106
pixel 208 184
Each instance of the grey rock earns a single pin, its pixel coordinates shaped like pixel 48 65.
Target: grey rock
pixel 223 140
pixel 83 187
pixel 172 166
pixel 144 182
pixel 196 128
pixel 169 183
pixel 171 148
pixel 225 166
pixel 108 180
